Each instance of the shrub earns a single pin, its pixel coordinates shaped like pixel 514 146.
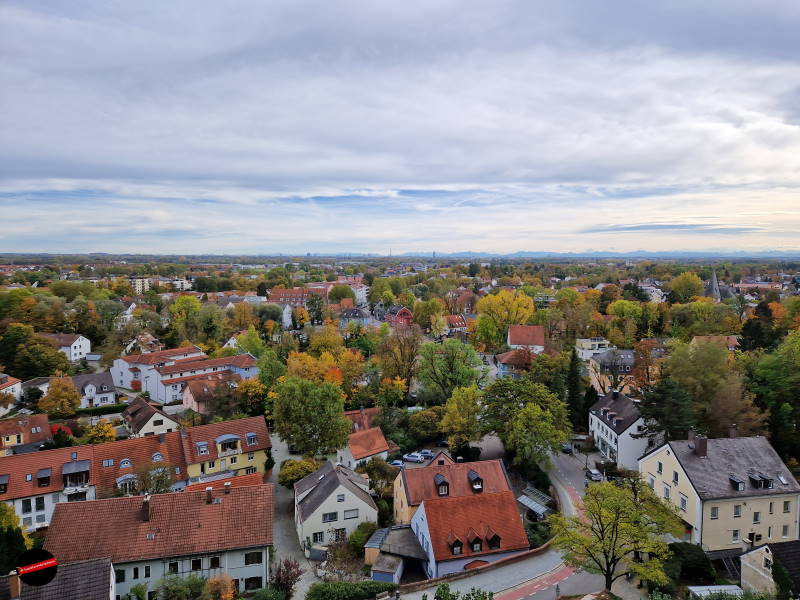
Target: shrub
pixel 285 576
pixel 346 590
pixel 269 593
pixel 538 533
pixel 385 511
pixel 361 535
pixel 270 461
pixel 101 410
pixel 293 471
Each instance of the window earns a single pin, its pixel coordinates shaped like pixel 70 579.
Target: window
pixel 202 449
pixel 212 464
pixel 785 531
pixel 457 548
pixel 675 477
pixel 252 583
pixel 250 470
pixel 251 455
pixel 147 571
pixel 108 462
pixel 135 573
pixel 234 459
pixel 213 562
pixel 787 506
pixel 173 568
pixel 444 489
pixel 340 498
pixel 158 457
pixel 158 422
pixel 125 463
pixel 756 517
pixel 197 564
pixel 40 518
pixel 317 537
pixel 74 456
pixel 27 521
pixel 715 512
pixel 351 514
pixel 494 543
pixel 251 439
pixel 737 510
pixel 767 563
pixel 666 492
pixel 43 481
pixel 477 546
pixel 735 535
pixel 253 558
pixel 660 467
pixel 29 477
pixel 119 575
pixel 26 505
pixel 770 507
pixel 683 503
pixel 328 517
pixel 651 482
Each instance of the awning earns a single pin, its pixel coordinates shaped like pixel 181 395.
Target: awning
pixel 228 437
pixel 531 504
pixel 76 466
pixel 3 479
pixel 43 473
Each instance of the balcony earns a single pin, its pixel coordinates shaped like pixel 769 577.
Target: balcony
pixel 229 452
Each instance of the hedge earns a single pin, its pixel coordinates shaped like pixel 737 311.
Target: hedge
pixel 345 590
pixel 101 410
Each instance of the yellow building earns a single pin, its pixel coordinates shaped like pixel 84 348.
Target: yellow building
pixel 732 493
pixel 233 447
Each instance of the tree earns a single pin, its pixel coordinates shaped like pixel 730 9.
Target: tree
pixel 461 421
pixel 285 576
pixel 425 310
pixel 535 431
pixel 309 416
pixel 443 592
pixel 251 342
pixel 338 292
pixel 397 353
pixel 577 411
pixel 13 540
pixel 242 316
pixel 185 312
pixel 221 587
pixel 732 404
pixel 293 471
pixel 505 397
pixel 326 339
pixel 270 368
pixel 62 399
pixel 700 368
pixel 497 312
pixel 438 326
pixel 39 358
pixel 685 286
pixel 381 475
pixel 425 424
pixel 646 368
pixel 251 394
pixel 668 410
pixel 444 367
pixel 154 478
pixel 316 308
pixel 102 432
pixel 618 526
pixel 173 587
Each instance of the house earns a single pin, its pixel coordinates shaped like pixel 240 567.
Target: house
pixel 444 477
pixel 95 389
pixel 611 367
pixel 166 383
pixel 655 294
pixel 139 285
pixel 232 341
pixel 463 532
pixel 526 337
pixel 199 389
pixel 398 316
pixel 358 316
pixel 756 566
pixel 456 324
pixel 23 433
pixel 142 418
pixel 329 504
pixel 362 417
pixel 732 493
pixel 73 345
pixel 729 342
pixel 86 579
pixel 295 297
pixel 189 533
pixel 586 348
pixel 133 371
pixel 362 446
pixel 614 421
pixel 221 484
pixel 144 343
pixel 226 448
pixel 513 363
pixel 9 385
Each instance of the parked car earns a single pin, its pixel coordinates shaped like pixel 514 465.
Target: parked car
pixel 566 448
pixel 396 463
pixel 413 457
pixel 442 443
pixel 593 475
pixel 426 454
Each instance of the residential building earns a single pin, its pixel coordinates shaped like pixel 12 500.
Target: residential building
pixel 166 383
pixel 23 433
pixel 9 385
pixel 132 371
pixel 399 316
pixel 329 504
pixel 611 369
pixel 757 566
pixel 189 533
pixel 732 493
pixel 362 418
pixel 139 285
pixel 363 445
pixel 614 424
pixel 656 294
pixel 354 315
pixel 295 297
pixel 444 477
pixel 86 579
pixel 95 389
pixel 514 363
pixel 456 324
pixel 144 343
pixel 198 390
pixel 143 418
pixel 73 345
pixel 526 337
pixel 586 348
pixel 463 532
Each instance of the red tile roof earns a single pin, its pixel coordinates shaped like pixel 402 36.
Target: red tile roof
pixel 152 358
pixel 240 360
pixel 7 381
pixel 219 484
pixel 24 425
pixel 179 524
pixel 139 412
pixel 516 358
pixel 203 386
pixel 526 335
pixel 420 485
pixel 367 443
pixel 466 518
pixel 456 321
pixel 209 433
pixel 19 466
pixel 362 417
pixel 225 374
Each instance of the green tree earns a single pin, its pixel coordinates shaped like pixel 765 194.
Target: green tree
pixel 425 310
pixel 444 367
pixel 309 416
pixel 397 353
pixel 270 368
pixel 316 308
pixel 668 411
pixel 338 292
pixel 425 424
pixel 535 431
pixel 461 421
pixel 293 471
pixel 185 313
pixel 13 541
pixel 685 286
pixel 619 525
pixel 251 342
pixel 497 312
pixel 154 478
pixel 577 411
pixel 700 368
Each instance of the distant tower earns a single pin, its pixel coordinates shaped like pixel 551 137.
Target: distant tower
pixel 715 295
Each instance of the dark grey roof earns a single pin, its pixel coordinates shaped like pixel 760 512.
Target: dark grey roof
pixel 739 457
pixel 354 313
pixel 87 580
pixel 98 379
pixel 401 541
pixel 439 479
pixel 76 466
pixel 376 539
pixel 615 358
pixel 625 411
pixel 323 482
pixel 788 554
pixel 35 382
pixel 386 563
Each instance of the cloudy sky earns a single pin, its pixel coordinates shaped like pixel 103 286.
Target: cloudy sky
pixel 294 126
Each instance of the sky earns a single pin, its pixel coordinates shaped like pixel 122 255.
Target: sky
pixel 414 126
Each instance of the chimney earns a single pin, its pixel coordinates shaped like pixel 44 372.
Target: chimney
pixel 701 446
pixel 690 436
pixel 14 586
pixel 459 459
pixel 733 430
pixel 146 508
pixel 161 437
pixel 615 394
pixel 208 494
pixel 227 487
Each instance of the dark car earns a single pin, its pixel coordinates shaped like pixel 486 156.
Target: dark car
pixel 566 448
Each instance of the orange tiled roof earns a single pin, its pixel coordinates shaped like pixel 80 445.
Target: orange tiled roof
pixel 466 518
pixel 526 335
pixel 220 374
pixel 7 381
pixel 240 360
pixel 219 484
pixel 18 466
pixel 367 443
pixel 209 433
pixel 178 524
pixel 24 424
pixel 456 321
pixel 152 358
pixel 362 417
pixel 420 485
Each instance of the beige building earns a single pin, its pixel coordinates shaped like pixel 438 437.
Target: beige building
pixel 757 567
pixel 732 493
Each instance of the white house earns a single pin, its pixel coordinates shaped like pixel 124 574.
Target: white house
pixel 614 421
pixel 142 418
pixel 362 446
pixel 73 345
pixel 166 384
pixel 95 389
pixel 131 371
pixel 586 348
pixel 329 504
pixel 9 385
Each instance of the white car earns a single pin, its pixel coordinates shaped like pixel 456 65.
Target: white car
pixel 413 457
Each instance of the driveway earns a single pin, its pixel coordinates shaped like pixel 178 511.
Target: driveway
pixel 284 534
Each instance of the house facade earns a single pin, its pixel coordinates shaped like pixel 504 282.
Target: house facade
pixel 134 370
pixel 166 384
pixel 95 389
pixel 399 316
pixel 614 423
pixel 731 493
pixel 142 418
pixel 9 385
pixel 199 389
pixel 363 445
pixel 23 433
pixel 73 345
pixel 586 348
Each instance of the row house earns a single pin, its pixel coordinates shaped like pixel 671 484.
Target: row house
pixel 179 534
pixel 23 433
pixel 74 346
pixel 169 381
pixel 133 370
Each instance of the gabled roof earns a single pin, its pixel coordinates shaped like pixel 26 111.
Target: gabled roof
pixel 367 442
pixel 362 418
pixel 18 466
pixel 476 516
pixel 420 483
pixel 139 412
pixel 6 381
pixel 240 360
pixel 208 433
pixel 96 379
pixel 202 387
pixel 62 339
pixel 87 580
pixel 456 321
pixel 516 358
pixel 24 424
pixel 224 375
pixel 152 358
pixel 179 524
pixel 324 482
pixel 526 335
pixel 625 411
pixel 788 554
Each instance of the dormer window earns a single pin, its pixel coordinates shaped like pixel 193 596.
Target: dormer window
pixel 475 481
pixel 43 478
pixel 442 485
pixel 457 548
pixel 158 457
pixel 252 439
pixel 444 489
pixel 494 542
pixel 477 545
pixel 737 483
pixel 202 448
pixel 125 463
